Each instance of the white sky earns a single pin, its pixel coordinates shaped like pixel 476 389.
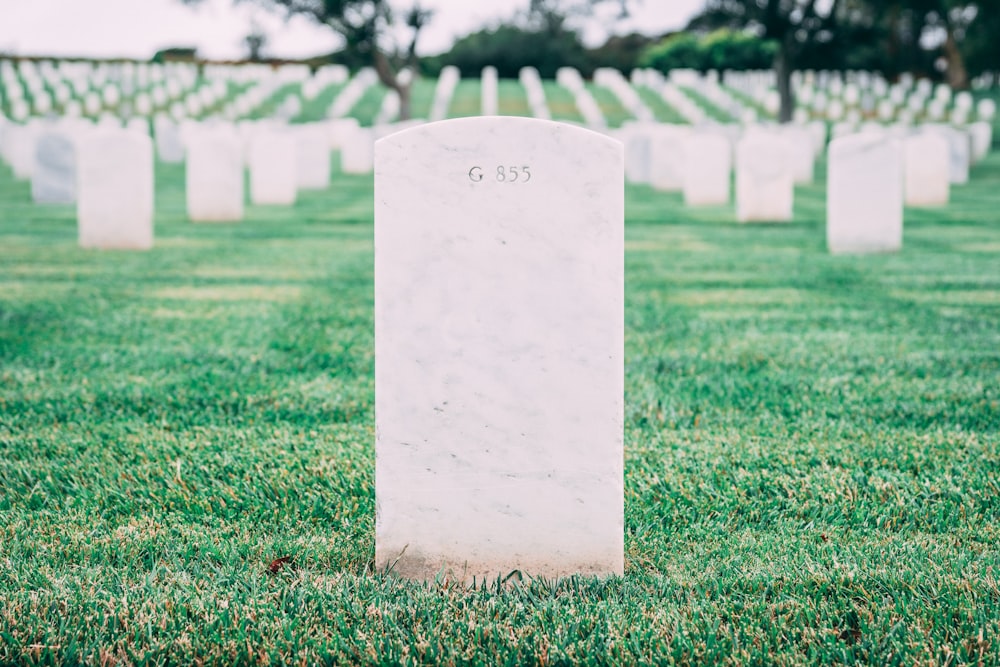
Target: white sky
pixel 138 28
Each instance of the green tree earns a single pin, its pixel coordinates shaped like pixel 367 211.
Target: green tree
pixel 791 24
pixel 367 27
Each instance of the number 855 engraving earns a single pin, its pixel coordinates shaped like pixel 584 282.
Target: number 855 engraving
pixel 503 174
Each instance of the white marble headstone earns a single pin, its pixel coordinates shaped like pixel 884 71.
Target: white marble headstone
pixel 925 167
pixel 273 157
pixel 357 152
pixel 214 176
pixel 864 205
pixel 666 156
pixel 499 337
pixel 115 190
pixel 707 167
pixel 53 179
pixel 764 179
pixel 312 157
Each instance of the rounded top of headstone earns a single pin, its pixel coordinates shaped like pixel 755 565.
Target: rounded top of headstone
pixel 456 127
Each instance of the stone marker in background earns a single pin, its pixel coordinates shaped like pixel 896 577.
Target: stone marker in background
pixel 925 169
pixel 764 185
pixel 312 169
pixel 864 202
pixel 981 134
pixel 490 103
pixel 799 141
pixel 273 156
pixel 499 350
pixel 958 152
pixel 169 144
pixel 666 156
pixel 357 153
pixel 707 160
pixel 53 180
pixel 214 179
pixel 115 190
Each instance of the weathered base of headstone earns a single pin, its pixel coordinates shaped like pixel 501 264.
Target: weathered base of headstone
pixel 499 331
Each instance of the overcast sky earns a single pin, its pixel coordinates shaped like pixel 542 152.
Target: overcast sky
pixel 138 28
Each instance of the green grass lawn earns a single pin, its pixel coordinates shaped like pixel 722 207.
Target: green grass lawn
pixel 812 446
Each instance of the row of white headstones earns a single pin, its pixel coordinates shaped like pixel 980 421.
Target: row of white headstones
pixel 697 160
pixel 179 92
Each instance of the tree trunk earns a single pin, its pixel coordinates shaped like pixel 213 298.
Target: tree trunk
pixel 390 79
pixel 404 100
pixel 783 72
pixel 958 77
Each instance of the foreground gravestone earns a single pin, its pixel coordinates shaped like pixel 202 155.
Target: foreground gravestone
pixel 115 190
pixel 53 180
pixel 214 177
pixel 499 350
pixel 926 170
pixel 764 178
pixel 273 158
pixel 864 206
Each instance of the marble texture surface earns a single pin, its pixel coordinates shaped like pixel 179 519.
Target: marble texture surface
pixel 53 179
pixel 499 332
pixel 864 200
pixel 273 167
pixel 708 166
pixel 764 180
pixel 926 170
pixel 214 175
pixel 115 190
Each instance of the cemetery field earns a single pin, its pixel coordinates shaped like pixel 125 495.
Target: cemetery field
pixel 812 446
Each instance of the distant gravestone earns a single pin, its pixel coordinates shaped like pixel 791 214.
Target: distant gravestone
pixel 357 153
pixel 53 180
pixel 638 152
pixel 981 134
pixel 273 157
pixel 115 190
pixel 490 96
pixel 801 151
pixel 925 167
pixel 169 144
pixel 499 350
pixel 764 179
pixel 19 148
pixel 958 152
pixel 864 195
pixel 214 178
pixel 707 169
pixel 666 156
pixel 312 157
